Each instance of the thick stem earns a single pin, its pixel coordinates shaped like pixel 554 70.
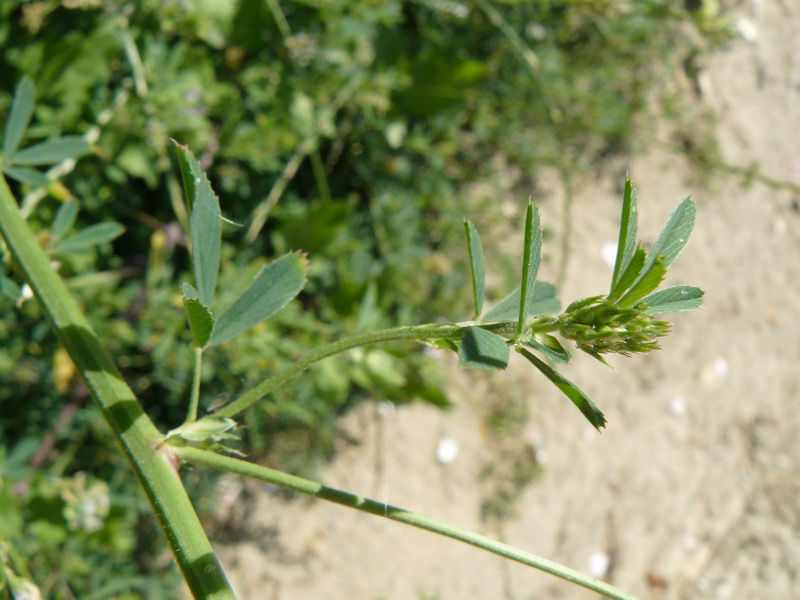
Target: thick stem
pixel 135 431
pixel 381 509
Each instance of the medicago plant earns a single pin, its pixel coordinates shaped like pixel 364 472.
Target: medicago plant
pixel 528 321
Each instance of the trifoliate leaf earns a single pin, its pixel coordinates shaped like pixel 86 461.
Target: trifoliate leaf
pixel 483 349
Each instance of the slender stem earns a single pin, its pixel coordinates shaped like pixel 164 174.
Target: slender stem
pixel 135 431
pixel 312 488
pixel 194 398
pixel 411 333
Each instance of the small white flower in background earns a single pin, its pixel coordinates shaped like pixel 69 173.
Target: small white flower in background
pixel 721 368
pixel 690 543
pixel 609 253
pixel 599 564
pixel 446 451
pixel 747 29
pixel 87 506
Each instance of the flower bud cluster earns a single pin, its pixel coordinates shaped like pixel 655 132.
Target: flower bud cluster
pixel 600 326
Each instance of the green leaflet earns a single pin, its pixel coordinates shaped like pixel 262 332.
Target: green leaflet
pixel 530 263
pixel 570 390
pixel 19 116
pixel 483 349
pixel 476 265
pixel 64 219
pixel 674 299
pixel 630 274
pixel 626 246
pixel 550 347
pixel 205 223
pixel 93 235
pixel 50 151
pixel 27 175
pixel 270 290
pixel 543 301
pixel 201 321
pixel 646 283
pixel 675 234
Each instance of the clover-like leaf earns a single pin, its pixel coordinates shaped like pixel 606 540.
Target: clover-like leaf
pixel 531 258
pixel 205 223
pixel 626 246
pixel 482 349
pixel 201 321
pixel 674 299
pixel 64 219
pixel 272 287
pixel 476 266
pixel 570 390
pixel 675 234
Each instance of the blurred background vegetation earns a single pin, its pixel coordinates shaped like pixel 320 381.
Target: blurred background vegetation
pixel 353 130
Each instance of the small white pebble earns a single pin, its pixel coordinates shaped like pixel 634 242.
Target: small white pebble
pixel 677 406
pixel 721 368
pixel 387 409
pixel 589 434
pixel 747 29
pixel 690 543
pixel 599 564
pixel 609 253
pixel 541 455
pixel 446 451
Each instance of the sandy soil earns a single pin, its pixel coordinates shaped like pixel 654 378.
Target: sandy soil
pixel 691 492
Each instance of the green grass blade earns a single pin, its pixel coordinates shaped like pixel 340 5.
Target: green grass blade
pixel 530 263
pixel 570 390
pixel 19 116
pixel 270 290
pixel 481 349
pixel 674 299
pixel 626 246
pixel 51 151
pixel 205 224
pixel 476 265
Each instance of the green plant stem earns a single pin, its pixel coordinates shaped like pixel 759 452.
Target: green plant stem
pixel 417 333
pixel 312 488
pixel 194 398
pixel 135 431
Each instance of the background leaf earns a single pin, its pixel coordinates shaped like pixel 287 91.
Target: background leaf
pixel 530 262
pixel 481 349
pixel 19 116
pixel 629 223
pixel 543 301
pixel 570 390
pixel 674 299
pixel 27 175
pixel 51 151
pixel 64 219
pixel 93 235
pixel 476 265
pixel 272 288
pixel 205 223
